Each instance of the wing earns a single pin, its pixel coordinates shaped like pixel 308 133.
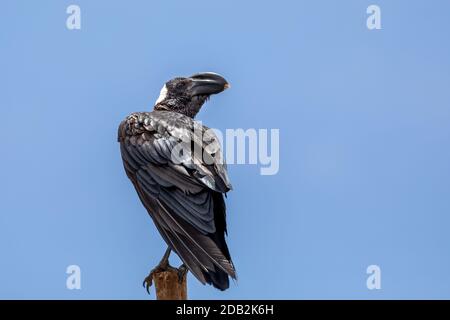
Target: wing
pixel 182 191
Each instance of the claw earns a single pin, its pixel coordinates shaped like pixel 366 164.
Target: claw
pixel 182 270
pixel 163 265
pixel 148 281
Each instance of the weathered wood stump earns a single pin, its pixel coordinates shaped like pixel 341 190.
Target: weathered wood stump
pixel 169 286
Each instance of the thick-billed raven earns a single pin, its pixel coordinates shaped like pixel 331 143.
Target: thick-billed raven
pixel 182 191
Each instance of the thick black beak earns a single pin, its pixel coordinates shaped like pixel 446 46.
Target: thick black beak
pixel 207 83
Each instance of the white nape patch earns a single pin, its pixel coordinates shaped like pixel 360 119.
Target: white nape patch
pixel 162 94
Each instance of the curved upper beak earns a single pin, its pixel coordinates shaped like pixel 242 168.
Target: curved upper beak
pixel 207 83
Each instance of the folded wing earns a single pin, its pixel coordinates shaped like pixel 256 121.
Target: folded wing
pixel 182 191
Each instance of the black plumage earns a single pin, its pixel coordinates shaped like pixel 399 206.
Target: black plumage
pixel 183 195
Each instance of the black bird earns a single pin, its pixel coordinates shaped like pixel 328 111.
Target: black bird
pixel 182 191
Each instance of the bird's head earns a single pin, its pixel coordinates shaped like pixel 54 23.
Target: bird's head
pixel 187 95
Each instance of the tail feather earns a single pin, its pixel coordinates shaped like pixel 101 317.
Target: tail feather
pixel 207 249
pixel 205 255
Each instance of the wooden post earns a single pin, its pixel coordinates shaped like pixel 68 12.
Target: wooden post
pixel 168 285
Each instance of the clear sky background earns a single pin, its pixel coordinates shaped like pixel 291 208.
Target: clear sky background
pixel 364 119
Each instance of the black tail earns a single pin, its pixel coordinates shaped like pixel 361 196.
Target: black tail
pixel 205 255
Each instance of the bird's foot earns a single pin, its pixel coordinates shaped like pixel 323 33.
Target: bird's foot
pixel 161 267
pixel 182 271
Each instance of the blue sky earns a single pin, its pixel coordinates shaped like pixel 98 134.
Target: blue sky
pixel 364 144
